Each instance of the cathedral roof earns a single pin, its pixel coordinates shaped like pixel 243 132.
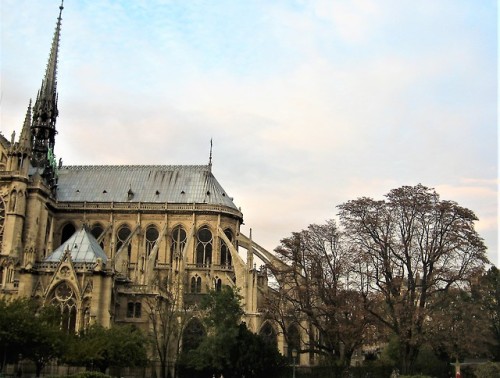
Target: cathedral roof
pixel 83 248
pixel 141 183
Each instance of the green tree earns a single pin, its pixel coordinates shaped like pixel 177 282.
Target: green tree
pixel 410 248
pixel 31 331
pixel 230 348
pixel 489 291
pixel 99 347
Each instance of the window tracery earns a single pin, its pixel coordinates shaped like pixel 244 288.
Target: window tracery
pixel 179 239
pixel 64 299
pixel 152 235
pixel 122 236
pixel 196 284
pixel 204 247
pixel 225 253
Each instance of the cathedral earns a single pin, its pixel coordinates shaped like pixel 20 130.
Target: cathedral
pixel 99 241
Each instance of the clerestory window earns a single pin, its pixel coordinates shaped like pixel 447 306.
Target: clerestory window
pixel 151 238
pixel 225 253
pixel 204 247
pixel 179 238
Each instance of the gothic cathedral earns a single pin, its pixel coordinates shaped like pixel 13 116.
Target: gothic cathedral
pixel 99 241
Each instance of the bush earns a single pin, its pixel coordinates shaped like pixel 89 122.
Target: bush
pixel 488 370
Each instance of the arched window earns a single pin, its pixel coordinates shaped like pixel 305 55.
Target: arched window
pixel 218 284
pixel 196 284
pixel 2 218
pixel 204 247
pixel 293 341
pixel 268 333
pixel 67 231
pixel 225 254
pixel 64 299
pixel 96 232
pixel 122 236
pixel 151 238
pixel 193 335
pixel 179 238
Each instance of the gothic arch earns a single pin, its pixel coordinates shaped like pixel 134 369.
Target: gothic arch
pixel 67 231
pixel 64 297
pixel 151 236
pixel 178 242
pixel 123 231
pixel 293 340
pixel 268 333
pixel 204 246
pixel 225 253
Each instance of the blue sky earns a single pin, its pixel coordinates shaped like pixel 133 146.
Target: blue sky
pixel 309 103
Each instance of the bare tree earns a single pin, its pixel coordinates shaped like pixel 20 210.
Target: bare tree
pixel 410 247
pixel 167 317
pixel 314 292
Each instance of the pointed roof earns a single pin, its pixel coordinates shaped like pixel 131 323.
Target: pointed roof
pixel 83 248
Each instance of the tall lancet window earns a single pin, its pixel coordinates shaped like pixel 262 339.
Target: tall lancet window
pixel 179 239
pixel 122 236
pixel 151 238
pixel 204 247
pixel 225 254
pixel 64 299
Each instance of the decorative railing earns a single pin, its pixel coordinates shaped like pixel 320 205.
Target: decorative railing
pixel 140 206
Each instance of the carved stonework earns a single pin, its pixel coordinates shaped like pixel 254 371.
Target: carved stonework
pixel 89 286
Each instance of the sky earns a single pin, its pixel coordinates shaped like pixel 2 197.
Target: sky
pixel 309 103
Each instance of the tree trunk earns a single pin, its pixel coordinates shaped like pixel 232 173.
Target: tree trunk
pixel 408 354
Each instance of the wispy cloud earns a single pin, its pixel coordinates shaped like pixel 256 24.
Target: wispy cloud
pixel 309 103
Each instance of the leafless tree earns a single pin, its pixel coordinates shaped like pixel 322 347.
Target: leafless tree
pixel 167 317
pixel 409 248
pixel 314 292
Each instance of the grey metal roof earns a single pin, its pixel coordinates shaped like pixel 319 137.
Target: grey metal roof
pixel 83 249
pixel 141 183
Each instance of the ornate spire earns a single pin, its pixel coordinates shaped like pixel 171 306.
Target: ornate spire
pixel 43 128
pixel 25 137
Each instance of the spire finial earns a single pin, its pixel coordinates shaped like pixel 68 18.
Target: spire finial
pixel 210 157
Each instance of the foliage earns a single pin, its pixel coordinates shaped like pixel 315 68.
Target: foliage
pixel 30 331
pixel 98 347
pixel 230 348
pixel 489 290
pixel 409 249
pixel 488 370
pixel 460 327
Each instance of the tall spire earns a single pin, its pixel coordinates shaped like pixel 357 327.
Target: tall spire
pixel 45 112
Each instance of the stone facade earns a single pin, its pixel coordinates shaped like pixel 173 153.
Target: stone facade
pixel 139 226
